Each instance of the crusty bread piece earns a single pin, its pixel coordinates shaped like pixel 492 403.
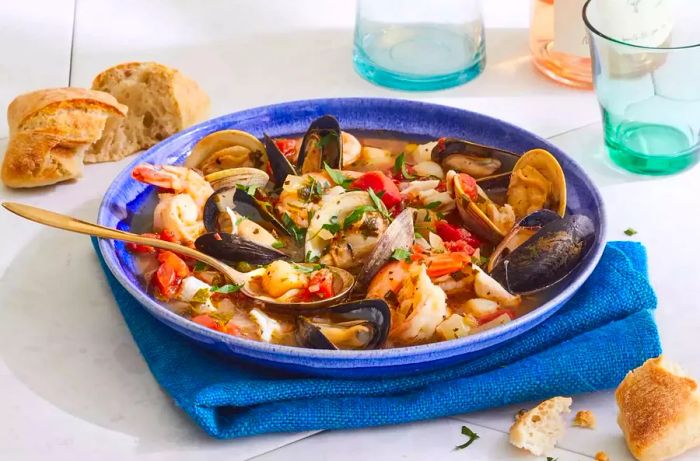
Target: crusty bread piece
pixel 585 419
pixel 659 410
pixel 50 132
pixel 161 101
pixel 538 430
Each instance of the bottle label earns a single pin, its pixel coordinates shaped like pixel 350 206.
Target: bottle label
pixel 570 35
pixel 639 22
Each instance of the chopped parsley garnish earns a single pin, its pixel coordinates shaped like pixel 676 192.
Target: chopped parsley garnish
pixel 630 232
pixel 308 269
pixel 480 261
pixel 332 225
pixel 549 458
pixel 199 266
pixel 311 259
pixel 356 215
pixel 400 167
pixel 401 254
pixel 250 190
pixel 295 231
pixel 433 205
pixel 228 288
pixel 222 318
pixel 472 437
pixel 378 204
pixel 337 177
pixel 312 191
pixel 278 244
pixel 417 235
pixel 201 296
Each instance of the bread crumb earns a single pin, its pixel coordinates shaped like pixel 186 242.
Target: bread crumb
pixel 601 456
pixel 539 429
pixel 584 418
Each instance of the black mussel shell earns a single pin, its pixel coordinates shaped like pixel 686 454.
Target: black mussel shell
pixel 279 165
pixel 548 256
pixel 483 160
pixel 322 144
pixel 232 249
pixel 242 203
pixel 371 313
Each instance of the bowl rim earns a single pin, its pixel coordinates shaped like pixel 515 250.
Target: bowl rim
pixel 345 358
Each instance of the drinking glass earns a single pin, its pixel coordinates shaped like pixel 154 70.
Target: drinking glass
pixel 646 71
pixel 419 44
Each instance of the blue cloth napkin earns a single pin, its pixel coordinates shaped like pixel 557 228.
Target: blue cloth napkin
pixel 605 330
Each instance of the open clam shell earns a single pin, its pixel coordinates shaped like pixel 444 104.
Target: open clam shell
pixel 537 181
pixel 322 144
pixel 356 325
pixel 233 177
pixel 547 257
pixel 399 234
pixel 476 160
pixel 227 149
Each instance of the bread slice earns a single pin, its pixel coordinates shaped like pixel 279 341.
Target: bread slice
pixel 659 410
pixel 538 430
pixel 161 101
pixel 50 132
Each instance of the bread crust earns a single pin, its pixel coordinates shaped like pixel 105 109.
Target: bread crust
pixel 537 430
pixel 659 410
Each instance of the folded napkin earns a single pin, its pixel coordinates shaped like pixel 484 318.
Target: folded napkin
pixel 605 330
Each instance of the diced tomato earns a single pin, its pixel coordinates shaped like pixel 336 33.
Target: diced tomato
pixel 495 314
pixel 381 185
pixel 287 146
pixel 440 144
pixel 398 176
pixel 441 187
pixel 450 233
pixel 468 185
pixel 321 284
pixel 168 236
pixel 166 281
pixel 417 252
pixel 208 322
pixel 175 262
pixel 138 248
pixel 461 246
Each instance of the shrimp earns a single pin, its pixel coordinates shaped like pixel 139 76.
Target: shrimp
pixel 176 178
pixel 179 214
pixel 422 307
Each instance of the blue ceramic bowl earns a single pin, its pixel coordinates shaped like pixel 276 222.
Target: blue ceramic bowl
pixel 126 196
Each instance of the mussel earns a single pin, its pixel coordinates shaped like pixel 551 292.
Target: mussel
pixel 241 203
pixel 521 232
pixel 226 149
pixel 280 167
pixel 355 325
pixel 547 257
pixel 322 144
pixel 399 234
pixel 476 160
pixel 232 248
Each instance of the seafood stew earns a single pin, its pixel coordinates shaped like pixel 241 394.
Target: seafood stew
pixel 443 238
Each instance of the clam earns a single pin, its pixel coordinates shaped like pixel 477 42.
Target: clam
pixel 355 325
pixel 547 257
pixel 536 182
pixel 233 177
pixel 231 249
pixel 399 234
pixel 226 149
pixel 481 215
pixel 322 144
pixel 280 167
pixel 476 160
pixel 522 231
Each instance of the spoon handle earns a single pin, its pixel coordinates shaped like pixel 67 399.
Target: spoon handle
pixel 61 221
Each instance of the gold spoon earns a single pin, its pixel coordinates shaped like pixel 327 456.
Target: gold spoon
pixel 343 279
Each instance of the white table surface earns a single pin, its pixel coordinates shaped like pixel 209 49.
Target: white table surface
pixel 73 385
